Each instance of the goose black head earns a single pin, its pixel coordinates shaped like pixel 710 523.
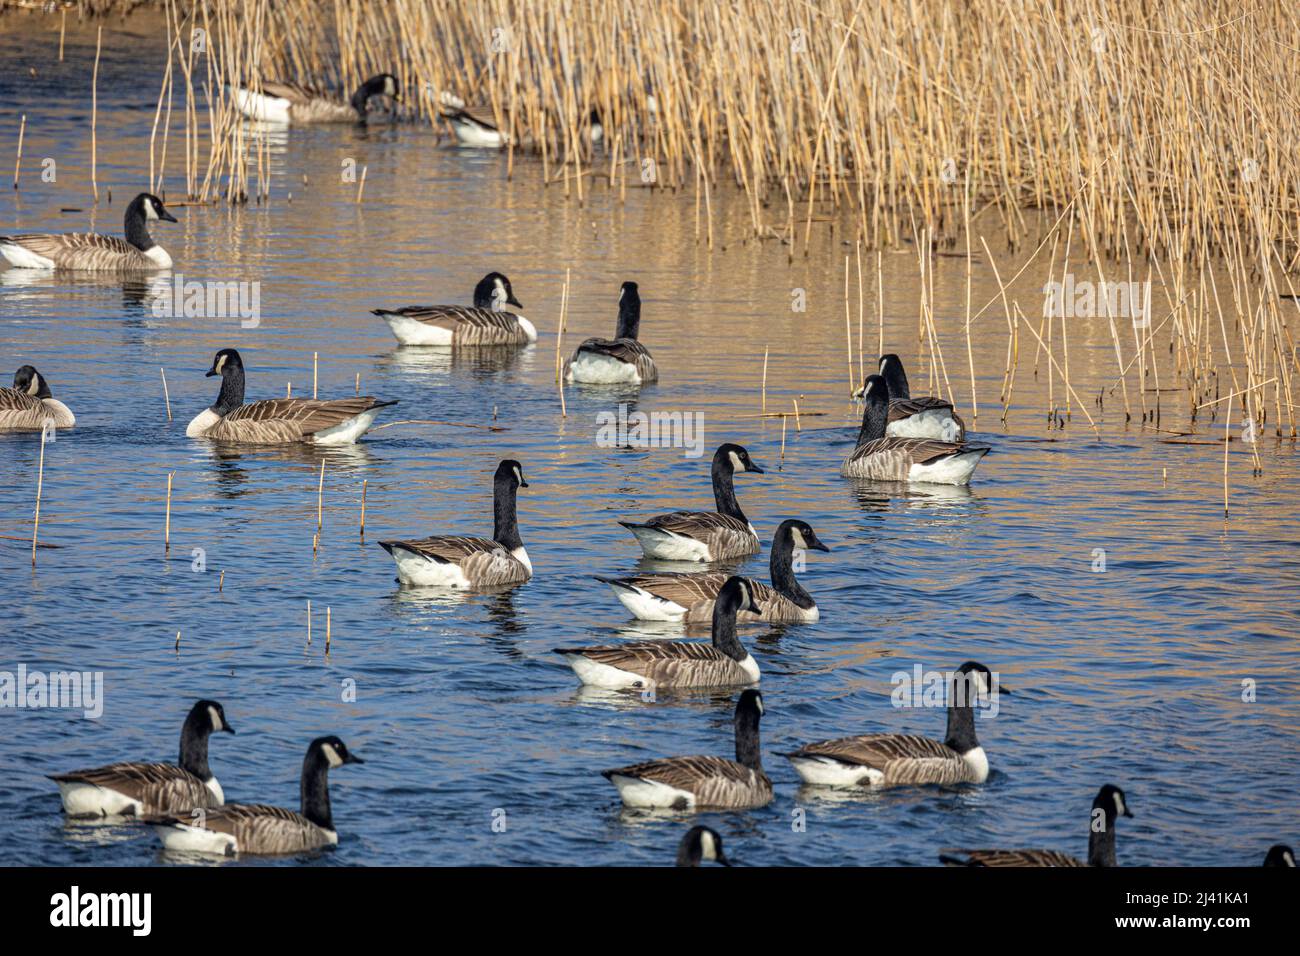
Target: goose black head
pixel 31 382
pixel 737 594
pixel 495 292
pixel 875 391
pixel 750 704
pixel 225 362
pixel 333 751
pixel 801 534
pixel 210 715
pixel 381 84
pixel 512 472
pixel 735 458
pixel 1110 801
pixel 1279 855
pixel 891 370
pixel 975 682
pixel 629 293
pixel 701 844
pixel 150 207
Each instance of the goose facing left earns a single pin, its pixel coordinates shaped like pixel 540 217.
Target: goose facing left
pixel 339 421
pixel 90 251
pixel 723 662
pixel 143 789
pixel 487 323
pixel 259 829
pixel 293 103
pixel 29 404
pixel 694 783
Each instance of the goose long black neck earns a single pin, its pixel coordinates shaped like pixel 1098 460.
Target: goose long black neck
pixel 724 488
pixel 137 232
pixel 724 627
pixel 371 87
pixel 875 417
pixel 961 715
pixel 781 568
pixel 1101 843
pixel 231 395
pixel 629 316
pixel 505 529
pixel 896 379
pixel 749 750
pixel 194 744
pixel 315 790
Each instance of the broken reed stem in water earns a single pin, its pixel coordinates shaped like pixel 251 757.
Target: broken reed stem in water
pixel 320 500
pixel 1227 437
pixel 167 526
pixel 40 484
pixel 221 582
pixel 781 466
pixel 848 332
pixel 315 362
pixel 764 405
pixel 18 164
pixel 434 421
pixel 357 389
pixel 309 623
pixel 327 631
pixel 361 185
pixel 364 483
pixel 178 642
pixel 797 426
pixel 94 115
pixel 166 396
pixel 63 28
pixel 564 319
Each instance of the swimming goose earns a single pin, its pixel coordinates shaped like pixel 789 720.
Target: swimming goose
pixel 142 789
pixel 294 103
pixel 723 662
pixel 925 417
pixel 888 760
pixel 256 828
pixel 487 323
pixel 700 844
pixel 621 360
pixel 473 126
pixel 693 783
pixel 1108 806
pixel 689 597
pixel 1279 855
pixel 339 421
pixel 90 251
pixel 704 535
pixel 883 458
pixel 453 561
pixel 29 405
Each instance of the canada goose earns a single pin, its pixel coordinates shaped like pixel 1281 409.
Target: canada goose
pixel 293 103
pixel 690 597
pixel 1279 855
pixel 90 251
pixel 339 421
pixel 704 535
pixel 455 561
pixel 882 458
pixel 473 126
pixel 621 360
pixel 487 323
pixel 700 844
pixel 692 783
pixel 29 405
pixel 888 760
pixel 925 417
pixel 1109 805
pixel 256 828
pixel 142 789
pixel 723 662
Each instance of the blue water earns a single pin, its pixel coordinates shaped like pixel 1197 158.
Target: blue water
pixel 1133 675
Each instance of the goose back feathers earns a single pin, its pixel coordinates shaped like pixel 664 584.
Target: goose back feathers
pixel 622 359
pixel 88 251
pixel 921 417
pixel 281 102
pixel 30 404
pixel 487 323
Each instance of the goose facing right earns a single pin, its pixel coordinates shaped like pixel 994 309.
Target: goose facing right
pixel 704 535
pixel 294 103
pixel 90 251
pixel 888 760
pixel 693 783
pixel 30 404
pixel 258 829
pixel 620 360
pixel 701 844
pixel 723 662
pixel 143 789
pixel 464 562
pixel 1108 806
pixel 672 596
pixel 882 458
pixel 487 323
pixel 339 421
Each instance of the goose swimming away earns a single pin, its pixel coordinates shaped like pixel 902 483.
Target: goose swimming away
pixel 723 662
pixel 882 458
pixel 695 783
pixel 258 829
pixel 338 421
pixel 1109 805
pixel 90 251
pixel 689 597
pixel 487 323
pixel 925 417
pixel 704 535
pixel 29 405
pixel 701 844
pixel 297 104
pixel 461 562
pixel 890 760
pixel 620 360
pixel 142 789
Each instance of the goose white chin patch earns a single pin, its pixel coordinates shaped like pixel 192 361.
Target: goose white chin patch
pixel 331 755
pixel 216 719
pixel 708 846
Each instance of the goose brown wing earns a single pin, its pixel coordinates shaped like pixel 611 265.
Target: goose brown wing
pixel 160 787
pixel 288 419
pixel 697 592
pixel 677 663
pixel 12 400
pixel 295 93
pixel 715 781
pixel 878 750
pixel 84 250
pixel 258 828
pixel 470 326
pixel 1012 858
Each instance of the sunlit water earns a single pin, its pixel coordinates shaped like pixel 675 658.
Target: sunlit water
pixel 1133 675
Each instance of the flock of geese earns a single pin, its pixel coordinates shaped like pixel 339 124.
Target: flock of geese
pixel 901 438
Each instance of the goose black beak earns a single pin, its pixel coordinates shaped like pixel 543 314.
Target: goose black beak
pixel 166 216
pixel 1128 813
pixel 228 729
pixel 211 372
pixel 353 758
pixel 722 858
pixel 515 302
pixel 817 545
pixel 753 466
